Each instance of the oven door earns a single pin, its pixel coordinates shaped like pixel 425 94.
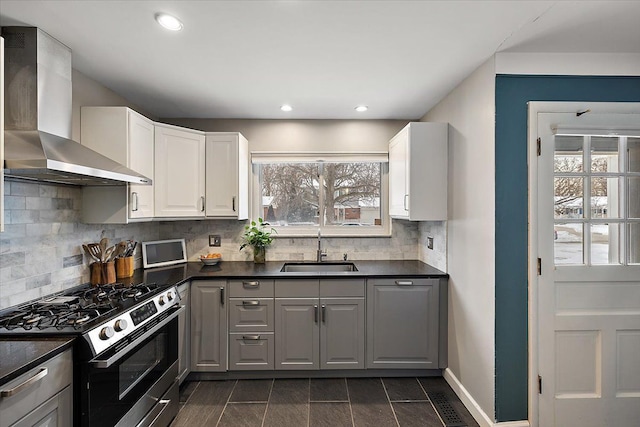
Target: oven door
pixel 132 378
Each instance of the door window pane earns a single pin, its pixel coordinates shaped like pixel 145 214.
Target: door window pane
pixel 568 243
pixel 568 202
pixel 605 242
pixel 633 154
pixel 633 199
pixel 568 154
pixel 604 197
pixel 352 194
pixel 290 194
pixel 633 237
pixel 604 154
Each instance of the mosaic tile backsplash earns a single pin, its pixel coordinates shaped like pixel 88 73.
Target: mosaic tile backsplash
pixel 41 253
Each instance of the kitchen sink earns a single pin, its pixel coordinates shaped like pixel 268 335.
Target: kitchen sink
pixel 317 267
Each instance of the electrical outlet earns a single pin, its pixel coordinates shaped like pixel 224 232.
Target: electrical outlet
pixel 214 240
pixel 429 242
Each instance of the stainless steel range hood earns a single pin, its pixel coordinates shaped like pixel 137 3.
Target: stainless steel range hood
pixel 38 107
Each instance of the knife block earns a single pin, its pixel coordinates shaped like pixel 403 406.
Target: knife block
pixel 103 273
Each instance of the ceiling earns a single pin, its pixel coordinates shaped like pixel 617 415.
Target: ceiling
pixel 243 59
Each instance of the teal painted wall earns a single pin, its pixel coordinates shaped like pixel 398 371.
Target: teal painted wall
pixel 512 94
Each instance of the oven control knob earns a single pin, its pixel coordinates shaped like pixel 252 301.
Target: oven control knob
pixel 170 296
pixel 106 333
pixel 161 300
pixel 120 325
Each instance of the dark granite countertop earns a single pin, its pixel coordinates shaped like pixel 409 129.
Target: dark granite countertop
pixel 17 355
pixel 178 274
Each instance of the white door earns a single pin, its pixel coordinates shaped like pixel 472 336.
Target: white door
pixel 588 289
pixel 141 159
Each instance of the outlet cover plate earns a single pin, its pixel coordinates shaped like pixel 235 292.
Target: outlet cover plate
pixel 429 242
pixel 214 240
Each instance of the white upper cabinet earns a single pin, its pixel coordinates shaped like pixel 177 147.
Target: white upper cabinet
pixel 179 172
pixel 227 177
pixel 418 172
pixel 128 138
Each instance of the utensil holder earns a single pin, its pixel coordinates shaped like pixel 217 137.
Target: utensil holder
pixel 124 267
pixel 103 273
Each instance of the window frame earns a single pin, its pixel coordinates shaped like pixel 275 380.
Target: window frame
pixel 383 230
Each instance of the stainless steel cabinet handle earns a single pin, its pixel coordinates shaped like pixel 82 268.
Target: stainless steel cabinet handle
pixel 17 389
pixel 404 282
pixel 315 313
pixel 251 337
pixel 221 295
pixel 250 303
pixel 202 200
pixel 134 201
pixel 233 203
pixel 405 202
pixel 324 313
pixel 251 284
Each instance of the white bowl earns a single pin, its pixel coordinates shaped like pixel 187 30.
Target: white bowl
pixel 210 261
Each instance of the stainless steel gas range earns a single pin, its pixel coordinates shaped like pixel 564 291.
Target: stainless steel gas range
pixel 125 354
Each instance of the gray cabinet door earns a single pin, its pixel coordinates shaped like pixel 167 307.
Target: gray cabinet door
pixel 184 335
pixel 297 333
pixel 55 412
pixel 402 323
pixel 208 326
pixel 342 333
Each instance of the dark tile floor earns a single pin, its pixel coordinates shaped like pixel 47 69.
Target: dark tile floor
pixel 333 402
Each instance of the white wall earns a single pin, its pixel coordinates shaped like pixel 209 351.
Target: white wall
pixel 304 135
pixel 470 111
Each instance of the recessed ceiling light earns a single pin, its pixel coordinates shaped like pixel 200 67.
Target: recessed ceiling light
pixel 361 108
pixel 169 22
pixel 286 107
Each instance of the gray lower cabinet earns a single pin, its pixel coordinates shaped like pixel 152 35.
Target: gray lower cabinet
pixel 403 323
pixel 319 324
pixel 41 397
pixel 184 334
pixel 251 325
pixel 208 326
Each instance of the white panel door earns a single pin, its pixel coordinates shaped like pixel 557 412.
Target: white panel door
pixel 141 159
pixel 179 172
pixel 589 285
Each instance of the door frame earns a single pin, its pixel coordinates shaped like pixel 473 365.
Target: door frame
pixel 535 107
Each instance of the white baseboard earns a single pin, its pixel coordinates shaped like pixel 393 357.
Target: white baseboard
pixel 476 411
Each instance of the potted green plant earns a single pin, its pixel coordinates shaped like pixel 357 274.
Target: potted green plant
pixel 258 236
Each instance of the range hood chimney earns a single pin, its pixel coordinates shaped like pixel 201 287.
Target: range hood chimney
pixel 38 109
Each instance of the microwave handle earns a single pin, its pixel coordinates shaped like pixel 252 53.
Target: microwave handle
pixel 105 363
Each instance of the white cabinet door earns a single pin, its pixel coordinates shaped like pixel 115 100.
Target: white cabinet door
pixel 141 142
pixel 398 191
pixel 179 167
pixel 128 138
pixel 227 175
pixel 418 161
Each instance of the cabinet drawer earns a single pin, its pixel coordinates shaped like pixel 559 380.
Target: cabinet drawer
pixel 251 288
pixel 411 281
pixel 342 288
pixel 251 352
pixel 58 376
pixel 296 288
pixel 251 314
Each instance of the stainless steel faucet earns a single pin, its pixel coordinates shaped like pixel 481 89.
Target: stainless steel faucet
pixel 320 254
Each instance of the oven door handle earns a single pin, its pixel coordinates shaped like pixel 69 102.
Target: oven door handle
pixel 105 363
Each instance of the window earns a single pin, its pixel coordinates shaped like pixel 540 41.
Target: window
pixel 338 196
pixel 596 200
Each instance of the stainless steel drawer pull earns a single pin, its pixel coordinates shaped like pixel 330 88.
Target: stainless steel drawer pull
pixel 17 389
pixel 324 313
pixel 404 282
pixel 251 284
pixel 251 337
pixel 315 313
pixel 250 303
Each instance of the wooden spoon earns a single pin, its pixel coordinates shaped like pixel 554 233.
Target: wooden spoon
pixel 103 248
